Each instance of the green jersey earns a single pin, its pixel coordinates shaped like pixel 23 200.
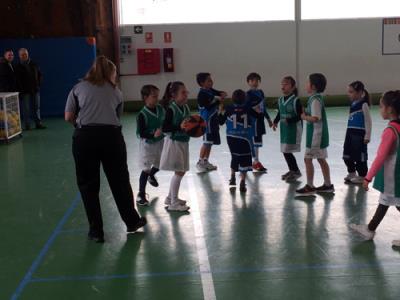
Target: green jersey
pixel 153 122
pixel 317 134
pixel 179 116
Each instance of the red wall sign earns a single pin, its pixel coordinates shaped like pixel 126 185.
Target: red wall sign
pixel 149 37
pixel 167 37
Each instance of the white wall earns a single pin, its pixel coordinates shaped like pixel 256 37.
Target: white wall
pixel 344 50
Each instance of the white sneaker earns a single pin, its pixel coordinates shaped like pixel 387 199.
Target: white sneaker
pixel 201 167
pixel 178 207
pixel 350 176
pixel 357 180
pixel 168 201
pixel 209 166
pixel 363 230
pixel 396 243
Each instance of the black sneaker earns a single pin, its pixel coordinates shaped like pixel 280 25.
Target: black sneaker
pixel 141 200
pixel 152 180
pixel 96 238
pixel 306 191
pixel 132 229
pixel 40 126
pixel 284 176
pixel 325 189
pixel 242 187
pixel 232 181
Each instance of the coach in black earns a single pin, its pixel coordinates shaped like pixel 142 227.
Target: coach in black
pixel 94 106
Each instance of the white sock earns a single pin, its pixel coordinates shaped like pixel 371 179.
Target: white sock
pixel 174 188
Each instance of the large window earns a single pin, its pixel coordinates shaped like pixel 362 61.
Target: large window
pixel 204 11
pixel 348 9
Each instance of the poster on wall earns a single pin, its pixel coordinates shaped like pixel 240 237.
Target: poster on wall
pixel 149 37
pixel 167 37
pixel 391 36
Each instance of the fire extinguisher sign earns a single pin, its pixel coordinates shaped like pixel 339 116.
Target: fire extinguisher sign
pixel 167 37
pixel 149 37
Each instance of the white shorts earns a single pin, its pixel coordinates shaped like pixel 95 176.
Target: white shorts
pixel 389 200
pixel 150 154
pixel 290 148
pixel 175 156
pixel 316 153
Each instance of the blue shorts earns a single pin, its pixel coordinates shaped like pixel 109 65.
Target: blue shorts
pixel 212 139
pixel 241 152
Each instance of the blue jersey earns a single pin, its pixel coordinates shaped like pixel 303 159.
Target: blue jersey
pixel 208 102
pixel 256 99
pixel 356 117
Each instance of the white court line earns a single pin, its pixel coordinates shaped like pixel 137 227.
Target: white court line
pixel 207 282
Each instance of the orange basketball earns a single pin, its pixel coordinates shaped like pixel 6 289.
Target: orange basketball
pixel 195 126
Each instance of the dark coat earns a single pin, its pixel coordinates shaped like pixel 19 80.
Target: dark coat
pixel 29 77
pixel 8 77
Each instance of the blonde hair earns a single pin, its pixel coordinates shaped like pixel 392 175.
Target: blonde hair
pixel 101 71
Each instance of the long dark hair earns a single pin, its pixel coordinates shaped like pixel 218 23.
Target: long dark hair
pixel 292 83
pixel 358 86
pixel 392 99
pixel 170 92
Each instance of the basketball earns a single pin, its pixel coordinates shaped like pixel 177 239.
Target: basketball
pixel 195 126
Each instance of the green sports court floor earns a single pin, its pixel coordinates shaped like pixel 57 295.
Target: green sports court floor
pixel 262 245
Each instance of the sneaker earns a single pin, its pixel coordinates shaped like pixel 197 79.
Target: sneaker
pixel 209 166
pixel 349 177
pixel 284 176
pixel 141 200
pixel 201 167
pixel 363 230
pixel 258 167
pixel 132 229
pixel 96 238
pixel 232 181
pixel 306 191
pixel 152 180
pixel 242 187
pixel 357 180
pixel 396 243
pixel 293 176
pixel 40 126
pixel 325 189
pixel 178 207
pixel 168 201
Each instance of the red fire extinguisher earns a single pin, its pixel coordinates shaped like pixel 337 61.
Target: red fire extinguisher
pixel 168 58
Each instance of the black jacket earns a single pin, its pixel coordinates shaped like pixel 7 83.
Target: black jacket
pixel 8 77
pixel 29 77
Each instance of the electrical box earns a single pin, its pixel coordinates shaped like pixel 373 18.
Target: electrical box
pixel 148 61
pixel 125 45
pixel 168 59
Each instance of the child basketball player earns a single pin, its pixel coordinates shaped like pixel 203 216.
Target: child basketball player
pixel 175 154
pixel 239 137
pixel 208 100
pixel 149 124
pixel 256 99
pixel 358 133
pixel 291 126
pixel 317 136
pixel 386 166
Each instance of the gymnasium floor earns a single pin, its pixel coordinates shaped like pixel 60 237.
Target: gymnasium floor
pixel 262 245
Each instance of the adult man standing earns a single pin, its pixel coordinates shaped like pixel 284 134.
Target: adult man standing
pixel 8 78
pixel 29 79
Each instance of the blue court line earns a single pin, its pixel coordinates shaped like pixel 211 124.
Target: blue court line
pixel 36 263
pixel 292 268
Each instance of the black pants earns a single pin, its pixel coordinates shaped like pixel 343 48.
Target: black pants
pixel 103 145
pixel 360 166
pixel 378 216
pixel 291 162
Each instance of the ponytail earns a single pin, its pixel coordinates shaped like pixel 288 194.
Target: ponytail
pixel 292 83
pixel 358 86
pixel 170 92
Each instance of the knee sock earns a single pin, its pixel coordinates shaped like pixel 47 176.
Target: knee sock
pixel 174 189
pixel 142 182
pixel 153 171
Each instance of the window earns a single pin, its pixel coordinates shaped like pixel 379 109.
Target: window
pixel 204 11
pixel 349 9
